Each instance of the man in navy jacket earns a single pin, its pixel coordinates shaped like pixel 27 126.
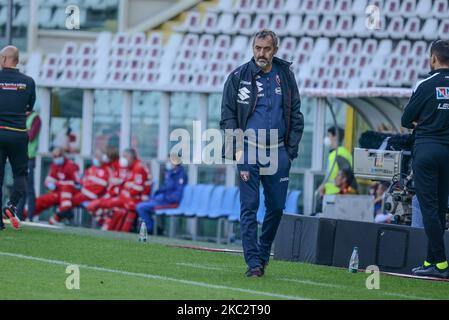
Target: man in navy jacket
pixel 259 97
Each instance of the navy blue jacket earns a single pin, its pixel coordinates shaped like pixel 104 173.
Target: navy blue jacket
pixel 173 186
pixel 429 107
pixel 17 96
pixel 240 99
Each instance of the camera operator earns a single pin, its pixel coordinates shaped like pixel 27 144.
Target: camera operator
pixel 428 114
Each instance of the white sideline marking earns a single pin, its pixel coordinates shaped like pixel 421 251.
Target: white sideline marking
pixel 153 276
pixel 199 266
pixel 400 295
pixel 35 224
pixel 313 283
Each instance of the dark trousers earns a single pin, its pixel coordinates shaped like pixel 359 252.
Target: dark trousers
pixel 431 172
pixel 275 191
pixel 30 196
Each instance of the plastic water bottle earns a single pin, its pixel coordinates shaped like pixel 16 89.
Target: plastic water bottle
pixel 143 233
pixel 354 262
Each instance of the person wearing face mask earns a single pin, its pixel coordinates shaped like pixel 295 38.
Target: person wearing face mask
pixel 93 184
pixel 168 195
pixel 136 188
pixel 61 181
pixel 343 161
pixel 427 113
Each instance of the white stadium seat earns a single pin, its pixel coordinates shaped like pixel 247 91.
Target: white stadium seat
pixel 274 7
pixel 396 28
pixel 392 8
pixel 278 22
pixel 328 26
pixel 424 8
pixel 430 29
pixel 294 25
pixel 443 31
pixel 412 28
pixel 408 8
pixel 242 22
pixel 309 7
pixel 345 26
pixel 222 6
pixel 311 25
pixel 440 9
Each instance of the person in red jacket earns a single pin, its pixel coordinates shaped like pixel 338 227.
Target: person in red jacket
pixel 62 181
pixel 93 184
pixel 135 188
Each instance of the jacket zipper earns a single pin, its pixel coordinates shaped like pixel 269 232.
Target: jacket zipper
pixel 289 114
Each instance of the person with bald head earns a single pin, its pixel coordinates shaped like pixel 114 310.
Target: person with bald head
pixel 17 96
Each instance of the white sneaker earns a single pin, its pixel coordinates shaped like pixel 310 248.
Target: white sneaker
pixel 53 222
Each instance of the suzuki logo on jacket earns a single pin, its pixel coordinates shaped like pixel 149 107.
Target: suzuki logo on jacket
pixel 243 95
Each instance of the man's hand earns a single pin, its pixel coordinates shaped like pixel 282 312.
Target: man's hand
pixel 322 189
pixel 238 155
pixel 414 124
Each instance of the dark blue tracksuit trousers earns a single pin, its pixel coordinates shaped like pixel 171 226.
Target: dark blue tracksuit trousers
pixel 431 172
pixel 275 191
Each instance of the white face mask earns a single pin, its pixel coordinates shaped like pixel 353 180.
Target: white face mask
pixel 123 162
pixel 327 142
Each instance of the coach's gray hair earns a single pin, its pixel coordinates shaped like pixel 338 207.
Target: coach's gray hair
pixel 267 33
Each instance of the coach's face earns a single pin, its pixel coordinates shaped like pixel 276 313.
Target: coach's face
pixel 264 52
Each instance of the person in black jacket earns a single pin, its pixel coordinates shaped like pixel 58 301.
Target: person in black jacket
pixel 17 96
pixel 428 114
pixel 261 96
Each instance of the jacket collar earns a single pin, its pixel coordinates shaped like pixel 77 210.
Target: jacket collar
pixel 255 69
pixel 439 70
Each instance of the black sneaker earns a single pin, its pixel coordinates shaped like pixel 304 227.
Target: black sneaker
pixel 11 212
pixel 254 272
pixel 431 271
pixel 264 266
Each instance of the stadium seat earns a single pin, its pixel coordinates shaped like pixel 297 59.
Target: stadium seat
pixel 339 46
pixel 311 25
pixel 294 25
pixel 430 29
pixel 242 6
pixel 192 23
pixel 259 6
pixel 225 23
pixel 292 7
pixel 261 21
pixel 327 6
pixel 274 7
pixel 209 22
pixel 443 30
pixel 440 9
pixel 354 46
pixel 412 28
pixel 287 48
pixel 344 27
pixel 360 29
pixel 242 22
pixel 343 7
pixel 328 27
pixel 359 7
pixel 392 8
pixel 309 7
pixel 278 22
pixel 408 8
pixel 396 28
pixel 424 9
pixel 201 196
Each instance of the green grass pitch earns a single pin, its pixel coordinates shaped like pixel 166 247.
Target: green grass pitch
pixel 33 265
